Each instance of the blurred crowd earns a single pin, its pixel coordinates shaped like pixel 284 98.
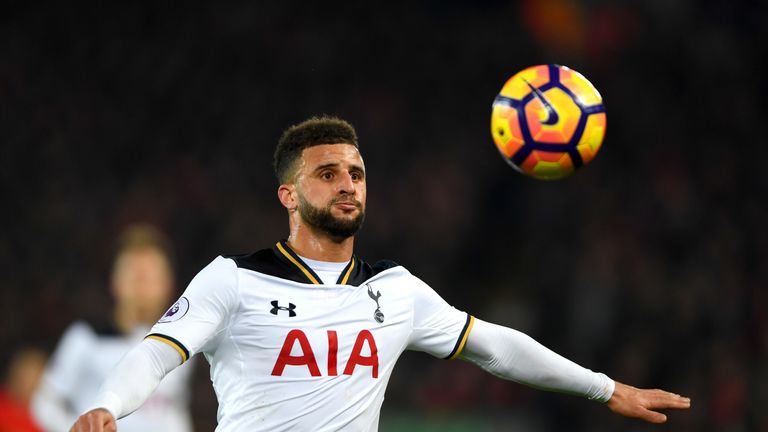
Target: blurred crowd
pixel 650 264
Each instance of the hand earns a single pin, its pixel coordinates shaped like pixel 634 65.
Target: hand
pixel 98 420
pixel 640 403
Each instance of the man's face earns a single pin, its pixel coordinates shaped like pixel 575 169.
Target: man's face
pixel 143 279
pixel 330 185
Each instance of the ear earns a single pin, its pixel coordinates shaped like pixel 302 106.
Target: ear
pixel 286 193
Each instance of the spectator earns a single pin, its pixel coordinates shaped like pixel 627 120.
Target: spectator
pixel 142 285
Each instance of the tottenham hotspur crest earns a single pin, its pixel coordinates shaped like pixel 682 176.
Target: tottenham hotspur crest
pixel 377 314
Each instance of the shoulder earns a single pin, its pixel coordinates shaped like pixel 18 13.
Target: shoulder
pixel 383 265
pixel 82 332
pixel 223 263
pixel 221 269
pixel 267 262
pixel 262 261
pixel 78 330
pixel 219 278
pixel 77 338
pixel 362 272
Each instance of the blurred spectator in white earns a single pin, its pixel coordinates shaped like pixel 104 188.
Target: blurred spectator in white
pixel 142 286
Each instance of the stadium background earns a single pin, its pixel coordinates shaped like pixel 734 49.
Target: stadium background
pixel 649 265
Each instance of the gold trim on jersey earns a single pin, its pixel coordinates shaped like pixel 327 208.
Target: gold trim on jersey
pixel 349 272
pixel 172 343
pixel 295 262
pixel 294 258
pixel 463 338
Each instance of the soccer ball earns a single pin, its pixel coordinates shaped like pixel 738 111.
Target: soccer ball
pixel 547 121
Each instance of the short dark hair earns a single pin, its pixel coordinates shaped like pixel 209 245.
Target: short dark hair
pixel 309 133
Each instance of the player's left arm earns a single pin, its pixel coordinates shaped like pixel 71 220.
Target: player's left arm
pixel 515 356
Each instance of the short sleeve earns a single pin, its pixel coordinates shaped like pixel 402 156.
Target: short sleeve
pixel 438 328
pixel 195 321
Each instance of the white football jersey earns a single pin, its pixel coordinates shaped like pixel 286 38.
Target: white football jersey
pixel 290 353
pixel 82 361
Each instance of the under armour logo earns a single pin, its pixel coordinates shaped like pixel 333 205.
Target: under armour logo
pixel 276 307
pixel 377 314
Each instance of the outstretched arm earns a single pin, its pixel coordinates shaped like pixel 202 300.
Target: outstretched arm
pixel 641 403
pixel 515 356
pixel 129 385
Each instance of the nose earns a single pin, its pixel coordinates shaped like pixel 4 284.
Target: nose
pixel 346 185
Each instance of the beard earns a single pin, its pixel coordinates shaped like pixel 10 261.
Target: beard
pixel 322 219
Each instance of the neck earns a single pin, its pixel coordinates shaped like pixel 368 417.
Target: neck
pixel 127 318
pixel 319 246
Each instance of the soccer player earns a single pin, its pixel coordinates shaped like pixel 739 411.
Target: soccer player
pixel 142 286
pixel 305 335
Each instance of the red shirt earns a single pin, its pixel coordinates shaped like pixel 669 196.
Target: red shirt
pixel 15 417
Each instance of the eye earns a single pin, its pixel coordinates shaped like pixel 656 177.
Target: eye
pixel 356 176
pixel 327 175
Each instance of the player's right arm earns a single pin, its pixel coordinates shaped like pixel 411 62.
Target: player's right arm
pixel 131 382
pixel 193 324
pixel 98 420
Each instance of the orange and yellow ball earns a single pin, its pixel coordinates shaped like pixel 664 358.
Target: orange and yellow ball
pixel 547 121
